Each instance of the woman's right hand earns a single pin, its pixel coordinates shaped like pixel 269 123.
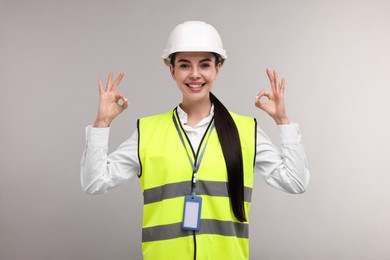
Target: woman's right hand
pixel 109 105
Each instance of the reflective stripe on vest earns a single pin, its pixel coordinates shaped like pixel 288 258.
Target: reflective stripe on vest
pixel 174 190
pixel 166 178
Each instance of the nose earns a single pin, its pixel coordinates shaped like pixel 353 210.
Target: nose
pixel 194 73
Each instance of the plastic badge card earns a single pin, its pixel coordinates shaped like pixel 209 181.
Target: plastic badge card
pixel 192 208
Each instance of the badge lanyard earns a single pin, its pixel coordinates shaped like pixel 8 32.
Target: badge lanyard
pixel 195 166
pixel 192 203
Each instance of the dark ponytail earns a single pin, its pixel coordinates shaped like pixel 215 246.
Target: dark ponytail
pixel 231 148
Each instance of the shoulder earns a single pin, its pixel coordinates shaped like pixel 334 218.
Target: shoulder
pixel 246 125
pixel 241 118
pixel 155 126
pixel 156 118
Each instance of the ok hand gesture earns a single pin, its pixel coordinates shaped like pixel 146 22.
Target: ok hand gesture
pixel 109 106
pixel 274 106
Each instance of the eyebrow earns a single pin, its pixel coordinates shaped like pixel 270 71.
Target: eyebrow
pixel 184 60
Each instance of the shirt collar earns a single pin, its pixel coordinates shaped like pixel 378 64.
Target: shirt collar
pixel 184 118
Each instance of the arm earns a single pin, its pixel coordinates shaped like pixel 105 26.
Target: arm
pixel 100 172
pixel 288 170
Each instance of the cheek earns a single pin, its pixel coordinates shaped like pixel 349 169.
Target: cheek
pixel 180 76
pixel 212 75
pixel 175 74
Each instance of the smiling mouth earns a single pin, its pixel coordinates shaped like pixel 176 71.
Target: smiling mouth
pixel 195 86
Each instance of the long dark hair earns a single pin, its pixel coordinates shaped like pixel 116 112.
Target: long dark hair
pixel 231 147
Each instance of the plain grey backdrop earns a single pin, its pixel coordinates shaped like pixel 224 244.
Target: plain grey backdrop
pixel 335 56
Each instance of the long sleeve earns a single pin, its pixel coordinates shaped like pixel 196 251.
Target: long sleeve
pixel 101 172
pixel 287 171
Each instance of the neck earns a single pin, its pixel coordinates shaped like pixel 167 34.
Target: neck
pixel 196 111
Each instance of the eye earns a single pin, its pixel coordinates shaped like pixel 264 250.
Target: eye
pixel 205 65
pixel 184 66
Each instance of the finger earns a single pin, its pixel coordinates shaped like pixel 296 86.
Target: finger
pixel 269 74
pixel 283 85
pixel 122 97
pixel 109 81
pixel 262 94
pixel 125 104
pixel 118 80
pixel 101 90
pixel 276 75
pixel 259 103
pixel 271 78
pixel 276 80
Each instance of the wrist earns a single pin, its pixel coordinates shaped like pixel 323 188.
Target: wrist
pixel 100 124
pixel 282 120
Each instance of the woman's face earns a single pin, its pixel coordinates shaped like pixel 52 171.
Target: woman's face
pixel 195 73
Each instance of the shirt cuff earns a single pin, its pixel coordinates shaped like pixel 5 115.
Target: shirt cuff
pixel 97 137
pixel 290 134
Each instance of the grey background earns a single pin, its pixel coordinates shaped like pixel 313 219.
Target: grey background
pixel 335 56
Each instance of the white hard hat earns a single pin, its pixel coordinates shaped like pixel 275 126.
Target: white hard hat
pixel 193 36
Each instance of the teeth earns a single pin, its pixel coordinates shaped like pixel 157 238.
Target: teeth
pixel 195 86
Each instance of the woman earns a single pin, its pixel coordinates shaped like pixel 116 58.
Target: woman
pixel 195 163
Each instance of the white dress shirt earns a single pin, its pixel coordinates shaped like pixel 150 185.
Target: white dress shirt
pixel 287 171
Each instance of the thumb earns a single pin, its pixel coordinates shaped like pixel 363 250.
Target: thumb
pixel 265 95
pixel 122 97
pixel 125 104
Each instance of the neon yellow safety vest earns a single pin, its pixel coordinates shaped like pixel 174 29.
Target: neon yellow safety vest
pixel 165 177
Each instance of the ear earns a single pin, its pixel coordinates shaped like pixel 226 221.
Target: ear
pixel 172 70
pixel 217 68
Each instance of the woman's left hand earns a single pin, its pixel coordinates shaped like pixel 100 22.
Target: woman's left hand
pixel 274 106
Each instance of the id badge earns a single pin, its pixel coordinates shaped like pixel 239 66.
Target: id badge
pixel 191 216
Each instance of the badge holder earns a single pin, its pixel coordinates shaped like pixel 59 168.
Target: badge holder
pixel 191 216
